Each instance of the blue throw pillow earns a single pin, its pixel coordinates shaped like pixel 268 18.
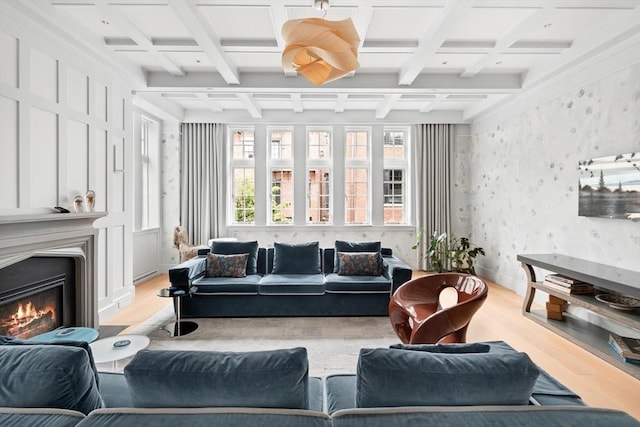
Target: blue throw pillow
pixel 193 379
pixel 391 377
pixel 296 258
pixel 235 248
pixel 345 246
pixel 48 376
pixel 453 348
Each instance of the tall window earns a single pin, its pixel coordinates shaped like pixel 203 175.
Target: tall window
pixel 281 176
pixel 395 167
pixel 243 172
pixel 319 176
pixel 357 166
pixel 148 181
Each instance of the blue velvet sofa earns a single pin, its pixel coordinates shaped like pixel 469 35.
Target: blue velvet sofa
pixel 291 280
pixel 480 384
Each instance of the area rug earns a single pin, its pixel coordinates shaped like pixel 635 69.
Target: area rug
pixel 332 343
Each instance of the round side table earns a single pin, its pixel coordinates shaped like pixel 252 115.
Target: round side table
pixel 112 349
pixel 179 327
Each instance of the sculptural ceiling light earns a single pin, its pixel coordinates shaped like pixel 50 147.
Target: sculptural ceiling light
pixel 318 49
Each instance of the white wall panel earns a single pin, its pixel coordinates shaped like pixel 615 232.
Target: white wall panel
pixel 43 76
pixel 118 119
pixel 100 97
pixel 43 158
pixel 98 177
pixel 9 63
pixel 145 253
pixel 77 155
pixel 77 91
pixel 9 153
pixel 117 192
pixel 102 265
pixel 115 242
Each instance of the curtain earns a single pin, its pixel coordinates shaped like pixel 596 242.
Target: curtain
pixel 433 179
pixel 202 180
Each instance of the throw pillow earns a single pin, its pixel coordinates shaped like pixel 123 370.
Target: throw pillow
pixel 237 248
pixel 195 379
pixel 296 258
pixel 226 265
pixel 390 377
pixel 453 348
pixel 359 264
pixel 345 246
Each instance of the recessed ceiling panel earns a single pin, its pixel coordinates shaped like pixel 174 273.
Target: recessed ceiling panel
pixel 382 62
pixel 240 22
pixel 335 12
pixel 156 21
pixel 488 23
pixel 571 24
pixel 142 59
pixel 92 19
pixel 256 61
pixel 447 61
pixel 403 23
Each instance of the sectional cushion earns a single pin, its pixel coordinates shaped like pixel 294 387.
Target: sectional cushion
pixel 48 376
pixel 234 248
pixel 266 379
pixel 219 265
pixel 346 246
pixel 292 284
pixel 334 283
pixel 453 348
pixel 359 264
pixel 392 377
pixel 296 258
pixel 247 285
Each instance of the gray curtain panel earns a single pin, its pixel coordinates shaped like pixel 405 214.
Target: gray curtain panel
pixel 202 180
pixel 433 179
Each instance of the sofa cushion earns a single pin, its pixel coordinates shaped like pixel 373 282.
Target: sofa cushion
pixel 219 265
pixel 48 376
pixel 345 246
pixel 39 417
pixel 296 258
pixel 391 377
pixel 267 379
pixel 233 248
pixel 334 283
pixel 247 285
pixel 359 264
pixel 453 348
pixel 292 284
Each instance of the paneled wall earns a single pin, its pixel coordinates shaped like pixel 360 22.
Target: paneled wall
pixel 65 128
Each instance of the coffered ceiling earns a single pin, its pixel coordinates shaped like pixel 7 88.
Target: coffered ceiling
pixel 429 58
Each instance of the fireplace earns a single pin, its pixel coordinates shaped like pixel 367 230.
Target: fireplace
pixel 47 271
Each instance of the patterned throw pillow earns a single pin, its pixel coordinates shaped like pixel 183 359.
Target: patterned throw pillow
pixel 226 265
pixel 359 264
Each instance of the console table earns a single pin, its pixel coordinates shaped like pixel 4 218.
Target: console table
pixel 603 277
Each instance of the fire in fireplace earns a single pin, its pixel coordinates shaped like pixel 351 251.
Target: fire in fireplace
pixel 35 314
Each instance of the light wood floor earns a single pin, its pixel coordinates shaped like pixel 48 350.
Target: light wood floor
pixel 500 318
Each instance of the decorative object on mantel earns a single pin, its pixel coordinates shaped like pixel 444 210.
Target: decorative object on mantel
pixel 444 253
pixel 78 204
pixel 320 50
pixel 619 302
pixel 181 243
pixel 90 198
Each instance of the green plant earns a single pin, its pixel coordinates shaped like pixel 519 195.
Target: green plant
pixel 444 253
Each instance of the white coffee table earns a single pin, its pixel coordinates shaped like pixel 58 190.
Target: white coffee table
pixel 118 347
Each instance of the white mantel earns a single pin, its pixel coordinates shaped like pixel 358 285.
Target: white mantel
pixel 27 234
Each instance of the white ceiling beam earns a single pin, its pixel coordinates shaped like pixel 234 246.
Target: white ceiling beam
pixel 438 30
pixel 296 99
pixel 119 19
pixel 510 37
pixel 213 106
pixel 279 16
pixel 431 105
pixel 385 107
pixel 250 105
pixel 204 35
pixel 341 102
pixel 362 20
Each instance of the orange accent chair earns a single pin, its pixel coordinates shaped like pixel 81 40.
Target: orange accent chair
pixel 418 317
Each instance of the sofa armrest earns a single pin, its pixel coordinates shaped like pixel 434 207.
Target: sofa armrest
pixel 399 272
pixel 181 275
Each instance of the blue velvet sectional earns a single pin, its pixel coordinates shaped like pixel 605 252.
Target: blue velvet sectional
pixel 290 280
pixel 480 384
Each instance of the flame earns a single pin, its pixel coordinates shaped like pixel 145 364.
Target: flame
pixel 28 312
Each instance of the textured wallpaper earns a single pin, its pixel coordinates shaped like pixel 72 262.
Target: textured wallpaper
pixel 516 188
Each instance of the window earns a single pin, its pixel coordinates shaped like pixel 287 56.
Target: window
pixel 395 166
pixel 281 176
pixel 319 176
pixel 357 165
pixel 148 176
pixel 243 187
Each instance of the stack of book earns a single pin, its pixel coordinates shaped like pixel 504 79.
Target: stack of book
pixel 627 348
pixel 567 284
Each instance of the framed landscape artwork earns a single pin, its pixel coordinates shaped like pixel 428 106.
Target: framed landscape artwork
pixel 610 187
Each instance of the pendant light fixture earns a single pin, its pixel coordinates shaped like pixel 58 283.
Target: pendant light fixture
pixel 320 50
